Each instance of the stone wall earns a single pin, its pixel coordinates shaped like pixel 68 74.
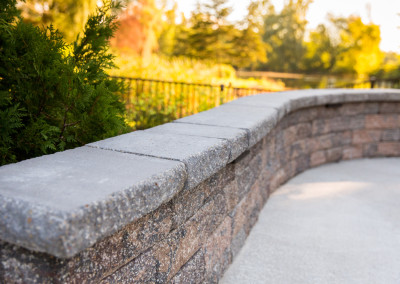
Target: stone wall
pixel 195 232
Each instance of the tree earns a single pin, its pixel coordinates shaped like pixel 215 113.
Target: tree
pixel 209 35
pixel 359 50
pixel 67 16
pixel 321 51
pixel 166 41
pixel 284 36
pixel 54 96
pixel 139 26
pixel 248 48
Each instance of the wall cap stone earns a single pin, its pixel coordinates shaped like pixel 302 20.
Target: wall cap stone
pixel 62 203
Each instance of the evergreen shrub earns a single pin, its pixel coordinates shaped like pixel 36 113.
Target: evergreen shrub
pixel 55 96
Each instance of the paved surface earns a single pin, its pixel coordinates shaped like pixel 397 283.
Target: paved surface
pixel 338 223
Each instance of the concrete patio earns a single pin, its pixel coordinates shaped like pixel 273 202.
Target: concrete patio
pixel 338 223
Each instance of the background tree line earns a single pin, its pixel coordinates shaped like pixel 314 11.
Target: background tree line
pixel 266 39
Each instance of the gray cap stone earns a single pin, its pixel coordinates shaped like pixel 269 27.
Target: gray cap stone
pixel 203 156
pixel 257 121
pixel 65 202
pixel 237 138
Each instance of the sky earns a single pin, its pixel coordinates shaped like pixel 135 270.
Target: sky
pixel 383 13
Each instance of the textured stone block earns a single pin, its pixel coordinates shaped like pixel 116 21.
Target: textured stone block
pixel 237 138
pixel 300 116
pixel 334 155
pixel 302 163
pixel 120 248
pixel 18 265
pixel 389 107
pixel 282 153
pixel 258 121
pixel 246 212
pixel 247 172
pixel 382 121
pixel 355 96
pixel 289 135
pixel 238 242
pixel 317 158
pixel 183 242
pixel 354 109
pixel 347 109
pixel 299 148
pixel 65 202
pixel 326 141
pixel 366 136
pixel 304 101
pixel 344 123
pixel 193 271
pixel 93 263
pixel 281 101
pixel 319 127
pixel 143 269
pixel 329 110
pixel 202 156
pixel 370 150
pixel 352 152
pixel 389 149
pixel 277 180
pixel 137 237
pixel 232 195
pixel 391 134
pixel 218 251
pixel 185 205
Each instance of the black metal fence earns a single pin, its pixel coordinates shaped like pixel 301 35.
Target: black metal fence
pixel 153 102
pixel 372 83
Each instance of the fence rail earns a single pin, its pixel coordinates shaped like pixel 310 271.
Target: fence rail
pixel 153 102
pixel 372 83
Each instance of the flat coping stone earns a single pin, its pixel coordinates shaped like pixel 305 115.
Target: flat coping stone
pixel 256 121
pixel 237 138
pixel 65 202
pixel 289 101
pixel 203 156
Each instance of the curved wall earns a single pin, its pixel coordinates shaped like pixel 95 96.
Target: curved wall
pixel 175 203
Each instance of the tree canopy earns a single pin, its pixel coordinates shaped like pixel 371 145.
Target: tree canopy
pixel 265 39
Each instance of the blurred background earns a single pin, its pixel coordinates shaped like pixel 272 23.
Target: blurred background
pixel 184 56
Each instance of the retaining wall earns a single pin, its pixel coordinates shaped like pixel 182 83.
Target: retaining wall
pixel 175 203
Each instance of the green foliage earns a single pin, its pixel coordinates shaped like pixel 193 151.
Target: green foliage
pixel 248 48
pixel 390 67
pixel 166 41
pixel 359 50
pixel 8 10
pixel 54 96
pixel 345 46
pixel 208 35
pixel 284 36
pixel 67 16
pixel 322 52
